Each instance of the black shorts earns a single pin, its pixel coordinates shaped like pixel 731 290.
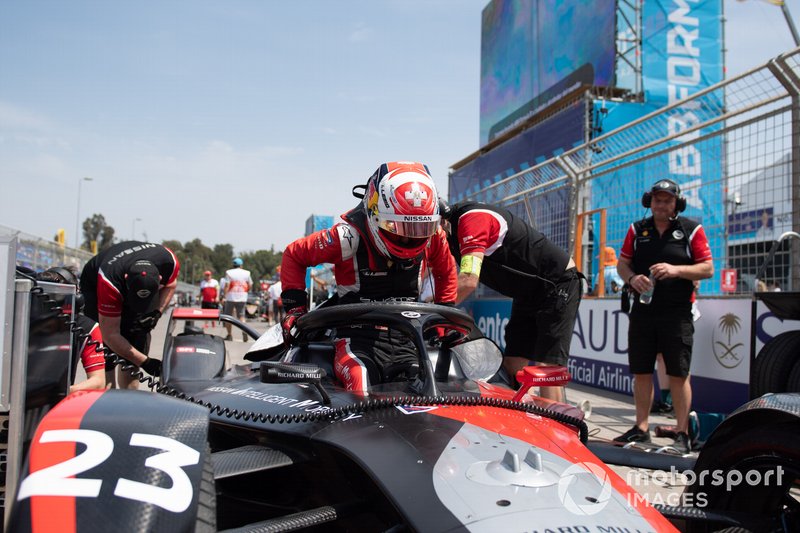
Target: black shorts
pixel 209 305
pixel 234 309
pixel 139 340
pixel 670 334
pixel 541 330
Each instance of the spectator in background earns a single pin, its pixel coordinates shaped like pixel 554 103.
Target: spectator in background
pixel 86 346
pixel 613 281
pixel 209 292
pixel 127 287
pixel 276 305
pixel 674 252
pixel 237 286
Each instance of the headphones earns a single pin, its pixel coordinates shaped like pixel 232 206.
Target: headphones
pixel 70 278
pixel 669 186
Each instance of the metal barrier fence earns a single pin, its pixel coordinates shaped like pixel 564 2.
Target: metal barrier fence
pixel 40 254
pixel 734 148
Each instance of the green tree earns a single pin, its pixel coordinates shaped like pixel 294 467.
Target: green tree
pixel 261 263
pixel 95 228
pixel 221 259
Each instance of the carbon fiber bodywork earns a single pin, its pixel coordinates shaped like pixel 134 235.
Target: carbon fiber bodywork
pixel 435 452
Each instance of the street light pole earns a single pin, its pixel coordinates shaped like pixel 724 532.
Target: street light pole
pixel 78 213
pixel 790 23
pixel 133 228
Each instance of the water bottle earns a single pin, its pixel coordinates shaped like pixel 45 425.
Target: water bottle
pixel 646 297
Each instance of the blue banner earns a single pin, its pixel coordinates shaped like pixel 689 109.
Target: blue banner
pixel 682 54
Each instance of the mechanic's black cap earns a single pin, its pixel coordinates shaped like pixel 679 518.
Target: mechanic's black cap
pixel 668 186
pixel 142 281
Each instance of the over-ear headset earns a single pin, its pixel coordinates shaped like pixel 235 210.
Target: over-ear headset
pixel 68 277
pixel 668 186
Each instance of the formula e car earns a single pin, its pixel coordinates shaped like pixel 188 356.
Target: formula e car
pixel 278 445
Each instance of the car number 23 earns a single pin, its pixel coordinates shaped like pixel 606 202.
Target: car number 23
pixel 59 480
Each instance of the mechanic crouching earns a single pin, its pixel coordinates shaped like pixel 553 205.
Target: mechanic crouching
pixel 126 289
pixel 379 252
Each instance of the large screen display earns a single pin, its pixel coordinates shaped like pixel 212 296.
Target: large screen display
pixel 534 51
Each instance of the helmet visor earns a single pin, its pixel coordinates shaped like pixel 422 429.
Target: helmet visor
pixel 413 226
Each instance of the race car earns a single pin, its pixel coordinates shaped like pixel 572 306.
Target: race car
pixel 278 444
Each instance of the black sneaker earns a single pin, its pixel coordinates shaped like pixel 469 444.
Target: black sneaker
pixel 634 435
pixel 682 443
pixel 660 407
pixel 229 338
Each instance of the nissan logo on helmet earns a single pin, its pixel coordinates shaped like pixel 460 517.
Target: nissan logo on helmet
pixel 417 218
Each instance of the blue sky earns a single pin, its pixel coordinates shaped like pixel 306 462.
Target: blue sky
pixel 235 120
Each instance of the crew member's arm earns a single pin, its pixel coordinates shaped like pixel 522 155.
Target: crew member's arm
pixel 702 268
pixel 165 296
pixel 443 269
pixel 625 271
pixel 95 380
pixel 320 247
pixel 469 274
pixel 94 363
pixel 476 230
pixel 109 328
pixel 638 282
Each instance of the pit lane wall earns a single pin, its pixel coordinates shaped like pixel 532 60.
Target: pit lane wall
pixel 599 351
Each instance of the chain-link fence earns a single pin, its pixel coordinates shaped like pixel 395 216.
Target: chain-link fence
pixel 731 147
pixel 40 254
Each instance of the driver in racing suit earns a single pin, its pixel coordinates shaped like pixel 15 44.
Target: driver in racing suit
pixel 380 252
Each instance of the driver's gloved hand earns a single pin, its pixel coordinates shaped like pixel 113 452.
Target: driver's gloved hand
pixel 147 321
pixel 295 301
pixel 288 324
pixel 152 366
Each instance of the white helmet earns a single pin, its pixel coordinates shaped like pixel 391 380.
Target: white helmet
pixel 402 208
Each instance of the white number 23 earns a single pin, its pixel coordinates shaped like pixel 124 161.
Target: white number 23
pixel 59 480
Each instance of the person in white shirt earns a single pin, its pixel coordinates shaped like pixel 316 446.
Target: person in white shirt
pixel 237 286
pixel 276 311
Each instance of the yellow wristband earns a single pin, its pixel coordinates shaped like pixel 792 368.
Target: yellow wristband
pixel 471 264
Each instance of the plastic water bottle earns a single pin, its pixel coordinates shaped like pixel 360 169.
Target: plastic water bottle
pixel 646 297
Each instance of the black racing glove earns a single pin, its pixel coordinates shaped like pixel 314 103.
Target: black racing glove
pixel 292 298
pixel 147 321
pixel 152 366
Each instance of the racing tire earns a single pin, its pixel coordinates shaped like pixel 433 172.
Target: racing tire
pixel 207 499
pixel 774 363
pixel 793 385
pixel 762 449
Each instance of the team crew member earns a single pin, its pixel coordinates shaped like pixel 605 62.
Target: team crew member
pixel 88 348
pixel 506 254
pixel 237 286
pixel 675 252
pixel 209 291
pixel 377 253
pixel 91 354
pixel 126 288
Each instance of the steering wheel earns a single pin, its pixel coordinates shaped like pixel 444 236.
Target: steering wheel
pixel 392 372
